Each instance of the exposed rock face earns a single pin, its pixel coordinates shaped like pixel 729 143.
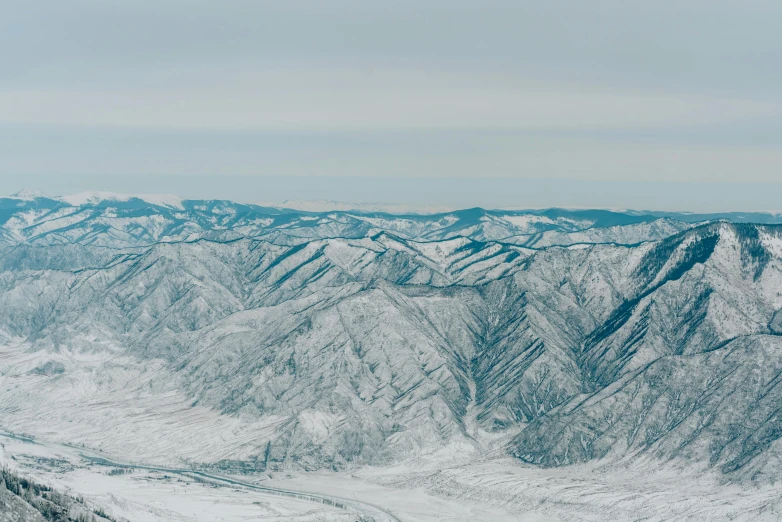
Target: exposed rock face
pixel 366 339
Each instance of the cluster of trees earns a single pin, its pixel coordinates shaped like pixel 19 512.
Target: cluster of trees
pixel 51 504
pixel 120 471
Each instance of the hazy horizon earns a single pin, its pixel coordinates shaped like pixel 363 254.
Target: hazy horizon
pixel 436 192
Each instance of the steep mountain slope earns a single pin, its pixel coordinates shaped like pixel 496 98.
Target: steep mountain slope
pixel 336 339
pixel 688 365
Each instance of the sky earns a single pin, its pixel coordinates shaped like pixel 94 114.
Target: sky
pixel 669 105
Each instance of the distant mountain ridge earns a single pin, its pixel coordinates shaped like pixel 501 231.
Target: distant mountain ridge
pixel 122 220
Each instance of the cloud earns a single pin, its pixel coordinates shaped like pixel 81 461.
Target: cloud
pixel 288 97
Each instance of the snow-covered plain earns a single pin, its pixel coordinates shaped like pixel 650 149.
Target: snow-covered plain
pixel 493 489
pixel 156 496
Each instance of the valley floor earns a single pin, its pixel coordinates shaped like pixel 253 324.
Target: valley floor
pixel 493 490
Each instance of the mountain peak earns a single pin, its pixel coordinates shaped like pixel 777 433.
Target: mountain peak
pixel 27 194
pixel 97 197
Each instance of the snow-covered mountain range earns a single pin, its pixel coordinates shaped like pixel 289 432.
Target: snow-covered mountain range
pixel 221 335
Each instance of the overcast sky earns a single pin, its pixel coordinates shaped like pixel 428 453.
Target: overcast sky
pixel 665 105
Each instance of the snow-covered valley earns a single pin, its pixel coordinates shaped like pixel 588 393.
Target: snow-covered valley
pixel 472 365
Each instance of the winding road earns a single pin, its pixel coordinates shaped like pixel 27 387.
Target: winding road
pixel 365 509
